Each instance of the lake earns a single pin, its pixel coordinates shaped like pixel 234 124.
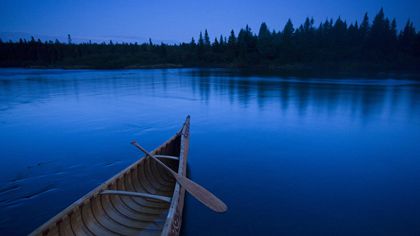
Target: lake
pixel 289 155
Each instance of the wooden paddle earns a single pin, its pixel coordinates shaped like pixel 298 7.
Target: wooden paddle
pixel 200 193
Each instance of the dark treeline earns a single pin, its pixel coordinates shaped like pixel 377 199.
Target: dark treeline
pixel 369 44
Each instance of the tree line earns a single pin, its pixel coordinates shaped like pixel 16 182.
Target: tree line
pixel 374 44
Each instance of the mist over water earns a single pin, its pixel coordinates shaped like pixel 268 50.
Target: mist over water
pixel 292 156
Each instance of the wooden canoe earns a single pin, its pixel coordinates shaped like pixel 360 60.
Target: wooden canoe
pixel 143 199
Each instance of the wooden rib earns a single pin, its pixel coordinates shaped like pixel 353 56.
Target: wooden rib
pixel 158 177
pixel 162 171
pixel 128 183
pixel 117 223
pixel 143 202
pixel 122 220
pixel 54 231
pixel 129 204
pixel 135 183
pixel 160 182
pixel 134 206
pixel 141 205
pixel 92 222
pixel 129 212
pixel 78 226
pixel 154 180
pixel 169 180
pixel 149 201
pixel 107 205
pixel 150 185
pixel 117 201
pixel 64 226
pixel 141 180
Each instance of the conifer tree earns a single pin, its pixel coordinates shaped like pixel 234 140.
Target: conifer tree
pixel 200 40
pixel 288 31
pixel 232 39
pixel 206 38
pixel 364 26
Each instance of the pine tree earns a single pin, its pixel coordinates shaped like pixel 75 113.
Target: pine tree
pixel 265 42
pixel 288 31
pixel 200 40
pixel 378 25
pixel 308 25
pixel 263 33
pixel 200 50
pixel 231 46
pixel 407 38
pixel 394 29
pixel 364 27
pixel 377 39
pixel 216 45
pixel 232 39
pixel 206 38
pixel 221 41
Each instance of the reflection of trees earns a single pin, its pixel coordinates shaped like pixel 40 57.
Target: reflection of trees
pixel 357 99
pixel 284 95
pixel 262 94
pixel 372 101
pixel 204 88
pixel 414 96
pixel 243 91
pixel 353 97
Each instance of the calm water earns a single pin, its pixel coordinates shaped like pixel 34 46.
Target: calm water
pixel 289 156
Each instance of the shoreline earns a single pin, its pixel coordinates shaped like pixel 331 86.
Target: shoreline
pixel 323 71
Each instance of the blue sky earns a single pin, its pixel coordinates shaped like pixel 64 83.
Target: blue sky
pixel 180 20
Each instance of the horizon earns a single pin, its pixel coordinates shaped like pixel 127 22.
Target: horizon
pixel 47 20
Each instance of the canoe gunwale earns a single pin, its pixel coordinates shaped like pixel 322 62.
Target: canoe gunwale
pixel 85 199
pixel 174 218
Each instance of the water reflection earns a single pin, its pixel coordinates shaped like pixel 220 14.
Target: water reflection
pixel 360 98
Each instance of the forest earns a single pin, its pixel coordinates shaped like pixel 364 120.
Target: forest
pixel 333 44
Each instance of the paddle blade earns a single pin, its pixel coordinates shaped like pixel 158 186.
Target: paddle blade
pixel 202 194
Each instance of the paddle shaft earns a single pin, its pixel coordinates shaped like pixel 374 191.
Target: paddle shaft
pixel 200 193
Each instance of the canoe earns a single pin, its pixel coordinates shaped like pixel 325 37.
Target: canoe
pixel 143 199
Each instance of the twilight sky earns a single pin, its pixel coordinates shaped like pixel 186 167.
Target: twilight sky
pixel 179 20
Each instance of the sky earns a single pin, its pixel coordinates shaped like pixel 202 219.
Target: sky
pixel 179 20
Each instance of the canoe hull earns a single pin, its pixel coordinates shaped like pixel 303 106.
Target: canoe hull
pixel 100 214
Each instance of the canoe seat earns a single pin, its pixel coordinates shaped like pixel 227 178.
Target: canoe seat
pixel 167 157
pixel 136 194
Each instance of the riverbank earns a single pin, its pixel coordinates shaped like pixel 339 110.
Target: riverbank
pixel 298 70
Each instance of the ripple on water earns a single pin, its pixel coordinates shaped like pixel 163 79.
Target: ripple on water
pixel 9 188
pixel 21 199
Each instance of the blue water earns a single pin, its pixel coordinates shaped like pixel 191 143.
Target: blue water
pixel 290 156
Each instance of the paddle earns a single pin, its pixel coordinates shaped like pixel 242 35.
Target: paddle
pixel 200 193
